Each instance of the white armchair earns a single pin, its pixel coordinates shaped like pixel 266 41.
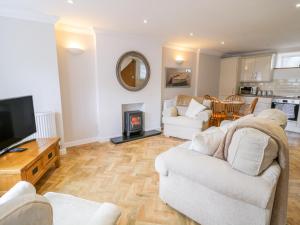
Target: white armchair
pixel 22 206
pixel 177 124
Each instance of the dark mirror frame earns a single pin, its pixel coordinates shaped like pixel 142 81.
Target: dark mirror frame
pixel 118 70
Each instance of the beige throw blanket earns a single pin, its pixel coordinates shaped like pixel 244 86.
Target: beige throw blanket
pixel 279 213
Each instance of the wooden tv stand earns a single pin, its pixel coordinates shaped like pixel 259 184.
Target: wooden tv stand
pixel 29 165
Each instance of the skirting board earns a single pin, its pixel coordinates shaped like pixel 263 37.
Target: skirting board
pixel 89 140
pixel 80 142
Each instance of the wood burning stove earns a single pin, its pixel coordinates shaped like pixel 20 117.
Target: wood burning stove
pixel 133 123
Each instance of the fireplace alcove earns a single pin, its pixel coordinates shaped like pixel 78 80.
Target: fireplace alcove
pixel 133 124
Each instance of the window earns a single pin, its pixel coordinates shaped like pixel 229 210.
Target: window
pixel 288 60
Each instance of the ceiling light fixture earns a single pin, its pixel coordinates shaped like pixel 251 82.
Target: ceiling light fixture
pixel 298 5
pixel 145 21
pixel 191 34
pixel 222 42
pixel 70 2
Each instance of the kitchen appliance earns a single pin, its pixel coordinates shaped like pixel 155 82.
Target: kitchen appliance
pixel 289 106
pixel 259 93
pixel 247 90
pixel 270 93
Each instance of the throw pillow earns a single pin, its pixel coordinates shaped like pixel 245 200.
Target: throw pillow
pixel 194 108
pixel 251 151
pixel 207 142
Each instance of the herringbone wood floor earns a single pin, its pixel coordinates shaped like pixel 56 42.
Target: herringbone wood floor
pixel 124 174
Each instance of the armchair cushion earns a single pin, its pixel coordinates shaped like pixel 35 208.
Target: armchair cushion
pixel 183 121
pixel 66 210
pixel 218 175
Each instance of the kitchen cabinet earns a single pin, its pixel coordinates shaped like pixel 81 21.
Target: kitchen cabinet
pixel 257 68
pixel 262 103
pixel 229 77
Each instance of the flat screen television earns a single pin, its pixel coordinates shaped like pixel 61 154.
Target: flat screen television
pixel 17 121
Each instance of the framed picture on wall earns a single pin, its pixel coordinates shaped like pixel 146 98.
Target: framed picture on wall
pixel 178 77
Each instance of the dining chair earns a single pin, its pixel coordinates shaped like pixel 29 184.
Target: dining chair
pixel 234 98
pixel 246 109
pixel 218 112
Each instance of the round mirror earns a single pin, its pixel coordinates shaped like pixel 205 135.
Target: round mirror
pixel 133 71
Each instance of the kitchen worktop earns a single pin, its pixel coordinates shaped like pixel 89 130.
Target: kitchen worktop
pixel 269 96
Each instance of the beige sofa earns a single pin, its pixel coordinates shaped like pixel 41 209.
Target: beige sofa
pixel 22 206
pixel 177 124
pixel 212 192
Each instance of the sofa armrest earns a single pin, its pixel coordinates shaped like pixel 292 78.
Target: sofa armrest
pixel 21 188
pixel 107 214
pixel 26 209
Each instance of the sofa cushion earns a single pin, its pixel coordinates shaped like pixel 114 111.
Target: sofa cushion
pixel 194 108
pixel 218 175
pixel 208 141
pixel 251 151
pixel 183 121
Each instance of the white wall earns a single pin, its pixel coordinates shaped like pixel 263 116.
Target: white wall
pixel 209 74
pixel 28 64
pixel 78 87
pixel 112 95
pixel 190 61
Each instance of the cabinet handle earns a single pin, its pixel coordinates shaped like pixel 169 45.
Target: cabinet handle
pixel 50 155
pixel 35 170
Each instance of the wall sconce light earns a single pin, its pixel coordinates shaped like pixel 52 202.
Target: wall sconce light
pixel 75 48
pixel 179 59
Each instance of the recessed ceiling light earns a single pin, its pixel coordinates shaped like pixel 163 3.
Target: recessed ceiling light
pixel 70 2
pixel 145 21
pixel 298 5
pixel 191 34
pixel 222 42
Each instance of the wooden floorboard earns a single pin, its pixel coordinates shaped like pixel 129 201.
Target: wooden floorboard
pixel 124 174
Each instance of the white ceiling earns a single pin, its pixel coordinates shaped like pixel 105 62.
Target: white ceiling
pixel 244 25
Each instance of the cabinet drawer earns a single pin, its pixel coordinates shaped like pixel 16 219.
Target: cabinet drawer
pixel 34 171
pixel 49 155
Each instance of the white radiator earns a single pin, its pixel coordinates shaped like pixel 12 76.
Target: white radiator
pixel 45 125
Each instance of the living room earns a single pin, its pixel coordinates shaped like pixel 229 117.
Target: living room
pixel 117 92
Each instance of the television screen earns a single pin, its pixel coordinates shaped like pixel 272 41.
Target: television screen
pixel 16 120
